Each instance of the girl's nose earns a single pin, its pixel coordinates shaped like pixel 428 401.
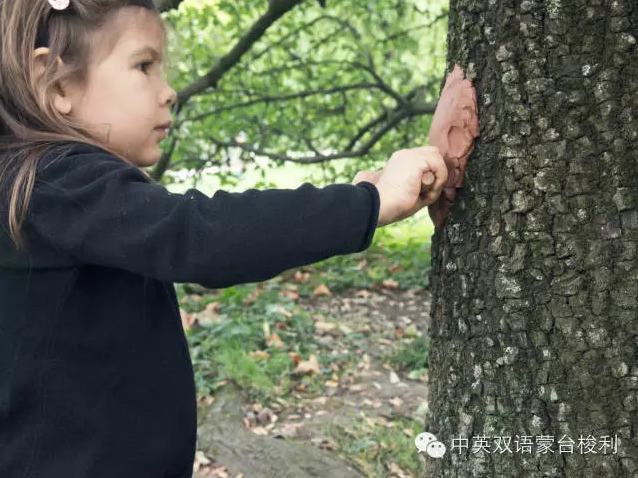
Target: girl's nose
pixel 170 96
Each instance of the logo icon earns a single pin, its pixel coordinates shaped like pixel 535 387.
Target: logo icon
pixel 427 442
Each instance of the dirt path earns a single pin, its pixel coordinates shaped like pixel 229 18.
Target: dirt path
pixel 369 324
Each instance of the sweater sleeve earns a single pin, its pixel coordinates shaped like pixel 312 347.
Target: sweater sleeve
pixel 102 211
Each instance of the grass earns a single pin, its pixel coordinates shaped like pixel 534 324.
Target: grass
pixel 237 345
pixel 412 357
pixel 380 447
pixel 222 350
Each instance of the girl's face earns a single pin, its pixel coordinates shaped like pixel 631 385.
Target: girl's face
pixel 126 99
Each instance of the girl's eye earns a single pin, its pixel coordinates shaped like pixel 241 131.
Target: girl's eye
pixel 145 65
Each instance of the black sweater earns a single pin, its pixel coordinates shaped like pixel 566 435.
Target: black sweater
pixel 95 375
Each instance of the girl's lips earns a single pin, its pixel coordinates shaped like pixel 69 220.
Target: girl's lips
pixel 162 132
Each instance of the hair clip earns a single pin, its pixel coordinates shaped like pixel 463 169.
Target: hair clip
pixel 59 4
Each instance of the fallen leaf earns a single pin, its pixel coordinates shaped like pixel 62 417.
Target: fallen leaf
pixel 323 328
pixel 361 265
pixel 390 283
pixel 221 472
pixel 394 468
pixel 254 295
pixel 322 289
pixel 301 276
pixel 265 415
pixel 365 363
pixel 274 341
pixel 394 378
pixel 187 319
pixel 212 306
pixel 200 460
pixel 290 430
pixel 309 366
pixel 290 294
pixel 396 267
pixel 207 316
pixel 208 400
pixel 329 445
pixel 396 402
pixel 345 329
pixel 266 328
pixel 260 354
pixel 296 358
pixel 284 312
pixel 331 384
pixel 363 293
pixel 261 431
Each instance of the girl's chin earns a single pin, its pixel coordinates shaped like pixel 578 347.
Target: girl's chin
pixel 149 159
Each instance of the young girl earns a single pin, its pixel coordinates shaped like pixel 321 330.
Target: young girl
pixel 95 375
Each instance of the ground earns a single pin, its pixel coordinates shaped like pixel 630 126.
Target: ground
pixel 370 409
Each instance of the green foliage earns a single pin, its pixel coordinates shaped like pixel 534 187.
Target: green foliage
pixel 375 52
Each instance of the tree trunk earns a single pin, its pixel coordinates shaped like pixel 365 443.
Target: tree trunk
pixel 534 332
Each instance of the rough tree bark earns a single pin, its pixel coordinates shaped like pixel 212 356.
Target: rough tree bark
pixel 535 271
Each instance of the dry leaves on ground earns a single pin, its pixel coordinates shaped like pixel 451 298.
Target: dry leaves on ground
pixel 307 367
pixel 321 289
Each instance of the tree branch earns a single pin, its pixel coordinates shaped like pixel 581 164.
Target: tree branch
pixel 275 11
pixel 416 110
pixel 291 96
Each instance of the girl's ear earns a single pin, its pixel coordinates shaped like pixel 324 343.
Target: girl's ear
pixel 61 99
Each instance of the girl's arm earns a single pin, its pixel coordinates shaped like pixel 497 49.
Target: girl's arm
pixel 100 210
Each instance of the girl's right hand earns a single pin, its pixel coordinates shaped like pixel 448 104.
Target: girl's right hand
pixel 405 183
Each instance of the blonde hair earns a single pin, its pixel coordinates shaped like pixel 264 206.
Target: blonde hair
pixel 29 123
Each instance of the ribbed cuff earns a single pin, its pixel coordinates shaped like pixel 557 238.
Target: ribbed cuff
pixel 374 214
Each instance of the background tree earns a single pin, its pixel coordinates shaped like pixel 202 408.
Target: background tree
pixel 292 81
pixel 535 272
